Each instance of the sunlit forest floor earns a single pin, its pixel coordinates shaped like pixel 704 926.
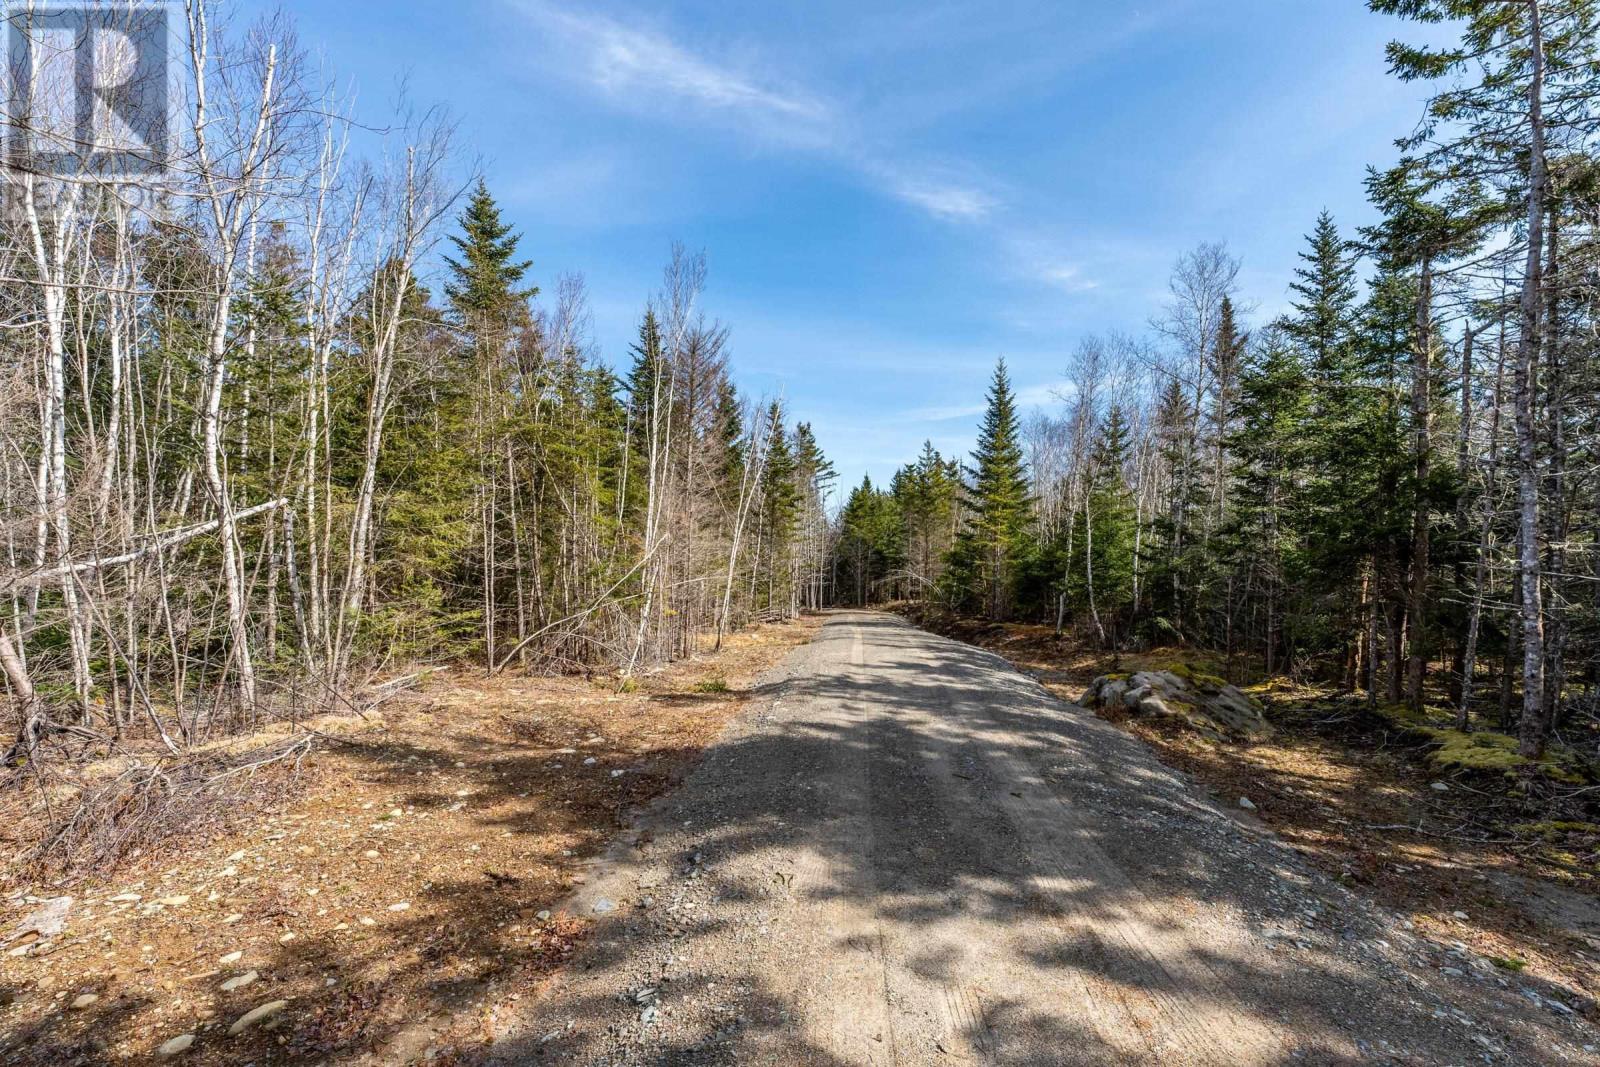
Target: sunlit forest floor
pixel 394 885
pixel 1461 852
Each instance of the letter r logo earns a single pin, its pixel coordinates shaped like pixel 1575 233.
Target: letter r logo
pixel 87 88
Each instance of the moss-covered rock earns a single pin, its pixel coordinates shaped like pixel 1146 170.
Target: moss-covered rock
pixel 1203 701
pixel 1197 678
pixel 1486 751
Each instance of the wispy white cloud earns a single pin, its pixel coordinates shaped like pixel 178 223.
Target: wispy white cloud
pixel 942 199
pixel 1068 277
pixel 1044 260
pixel 646 68
pixel 623 59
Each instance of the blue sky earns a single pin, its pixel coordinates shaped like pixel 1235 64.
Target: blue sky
pixel 891 195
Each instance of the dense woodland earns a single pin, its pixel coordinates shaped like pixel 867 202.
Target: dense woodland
pixel 1391 487
pixel 304 419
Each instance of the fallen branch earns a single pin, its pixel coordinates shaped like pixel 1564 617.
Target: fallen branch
pixel 149 804
pixel 159 543
pixel 601 601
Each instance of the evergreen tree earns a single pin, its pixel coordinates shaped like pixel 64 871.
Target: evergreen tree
pixel 483 281
pixel 780 507
pixel 1269 462
pixel 648 372
pixel 998 501
pixel 1102 575
pixel 1339 465
pixel 1323 319
pixel 1525 79
pixel 870 546
pixel 729 435
pixel 1175 545
pixel 814 478
pixel 926 493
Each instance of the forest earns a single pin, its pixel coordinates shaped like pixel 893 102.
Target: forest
pixel 411 651
pixel 302 421
pixel 306 421
pixel 1391 486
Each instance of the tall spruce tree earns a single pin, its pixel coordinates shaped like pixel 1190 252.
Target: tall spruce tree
pixel 1269 455
pixel 998 500
pixel 484 279
pixel 645 377
pixel 1103 572
pixel 1323 319
pixel 780 508
pixel 1325 327
pixel 1524 81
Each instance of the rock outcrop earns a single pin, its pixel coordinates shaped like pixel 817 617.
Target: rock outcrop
pixel 1203 701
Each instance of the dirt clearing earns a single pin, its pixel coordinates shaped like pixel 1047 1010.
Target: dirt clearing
pixel 402 884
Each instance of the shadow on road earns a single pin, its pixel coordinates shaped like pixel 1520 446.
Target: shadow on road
pixel 1171 919
pixel 1129 919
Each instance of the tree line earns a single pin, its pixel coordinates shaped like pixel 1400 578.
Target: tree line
pixel 304 418
pixel 1390 486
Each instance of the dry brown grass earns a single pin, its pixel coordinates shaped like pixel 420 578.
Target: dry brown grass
pixel 474 803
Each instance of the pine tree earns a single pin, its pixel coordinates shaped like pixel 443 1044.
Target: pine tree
pixel 1341 465
pixel 1175 545
pixel 814 478
pixel 729 437
pixel 926 495
pixel 1323 320
pixel 1225 356
pixel 1526 76
pixel 1424 223
pixel 870 546
pixel 1269 462
pixel 780 508
pixel 815 470
pixel 1104 569
pixel 483 281
pixel 998 500
pixel 647 375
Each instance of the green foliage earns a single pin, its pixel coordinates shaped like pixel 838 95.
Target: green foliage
pixel 1101 567
pixel 483 283
pixel 871 543
pixel 927 495
pixel 997 534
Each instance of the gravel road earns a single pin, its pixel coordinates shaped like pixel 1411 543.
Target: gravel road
pixel 908 853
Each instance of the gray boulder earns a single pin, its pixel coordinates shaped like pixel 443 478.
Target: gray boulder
pixel 1204 701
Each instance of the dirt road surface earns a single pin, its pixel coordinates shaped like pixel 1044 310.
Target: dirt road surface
pixel 908 853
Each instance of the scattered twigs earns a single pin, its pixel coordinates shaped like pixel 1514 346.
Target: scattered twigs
pixel 384 691
pixel 1454 836
pixel 37 728
pixel 148 802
